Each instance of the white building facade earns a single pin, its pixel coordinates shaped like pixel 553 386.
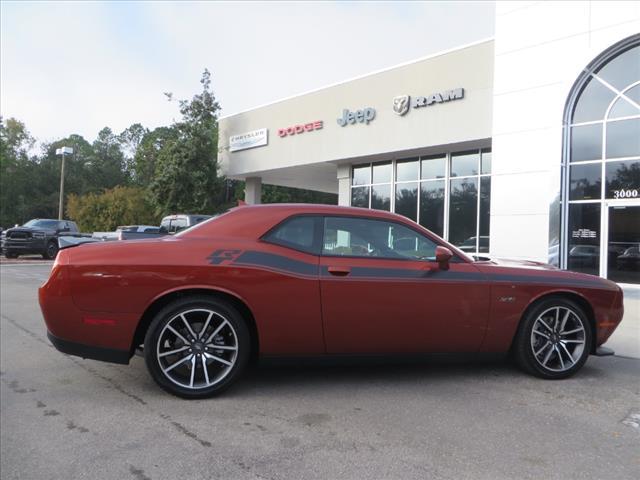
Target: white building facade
pixel 526 145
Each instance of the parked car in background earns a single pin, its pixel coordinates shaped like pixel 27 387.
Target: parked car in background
pixel 38 236
pixel 176 223
pixel 630 259
pixel 123 231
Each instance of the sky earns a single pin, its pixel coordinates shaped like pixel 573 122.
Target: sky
pixel 76 67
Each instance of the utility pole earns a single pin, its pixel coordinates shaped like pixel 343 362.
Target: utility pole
pixel 62 151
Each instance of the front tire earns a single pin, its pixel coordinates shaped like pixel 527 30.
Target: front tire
pixel 51 251
pixel 197 347
pixel 554 339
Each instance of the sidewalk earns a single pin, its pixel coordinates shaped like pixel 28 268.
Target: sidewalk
pixel 625 341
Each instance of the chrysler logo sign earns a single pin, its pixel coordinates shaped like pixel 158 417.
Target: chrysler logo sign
pixel 401 103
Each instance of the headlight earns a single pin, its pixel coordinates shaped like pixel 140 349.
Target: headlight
pixel 38 234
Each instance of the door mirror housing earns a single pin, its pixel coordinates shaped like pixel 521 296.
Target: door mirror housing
pixel 443 255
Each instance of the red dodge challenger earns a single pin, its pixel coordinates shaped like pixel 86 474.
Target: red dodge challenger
pixel 314 280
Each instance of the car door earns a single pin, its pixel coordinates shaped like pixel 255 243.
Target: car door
pixel 383 292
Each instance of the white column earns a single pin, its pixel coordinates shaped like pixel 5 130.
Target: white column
pixel 344 185
pixel 253 190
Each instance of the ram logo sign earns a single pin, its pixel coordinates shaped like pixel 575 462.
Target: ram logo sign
pixel 401 103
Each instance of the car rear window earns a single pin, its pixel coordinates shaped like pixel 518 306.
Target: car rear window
pixel 299 233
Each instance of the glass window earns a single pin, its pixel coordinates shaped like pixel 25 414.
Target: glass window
pixel 586 142
pixel 381 197
pixel 622 179
pixel 407 200
pixel 463 205
pixel 432 206
pixel 463 164
pixel 382 172
pixel 584 238
pixel 623 70
pixel 486 161
pixel 623 138
pixel 592 102
pixel 433 167
pixel 359 237
pixel 297 233
pixel 360 197
pixel 361 175
pixel 623 108
pixel 585 181
pixel 407 170
pixel 485 206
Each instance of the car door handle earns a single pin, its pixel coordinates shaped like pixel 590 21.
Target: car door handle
pixel 339 271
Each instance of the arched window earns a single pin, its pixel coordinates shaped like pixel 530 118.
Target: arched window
pixel 602 162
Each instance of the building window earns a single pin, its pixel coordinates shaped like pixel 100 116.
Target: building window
pixel 449 194
pixel 601 190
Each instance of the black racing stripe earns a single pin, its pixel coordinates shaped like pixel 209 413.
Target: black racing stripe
pixel 501 277
pixel 276 262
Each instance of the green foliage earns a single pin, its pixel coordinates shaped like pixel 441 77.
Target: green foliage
pixel 121 205
pixel 185 170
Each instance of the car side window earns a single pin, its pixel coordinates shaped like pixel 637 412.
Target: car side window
pixel 298 233
pixel 361 237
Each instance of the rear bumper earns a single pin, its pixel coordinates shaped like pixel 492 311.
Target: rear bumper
pixel 103 354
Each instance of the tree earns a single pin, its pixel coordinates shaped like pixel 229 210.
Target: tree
pixel 122 205
pixel 130 140
pixel 107 165
pixel 15 143
pixel 186 172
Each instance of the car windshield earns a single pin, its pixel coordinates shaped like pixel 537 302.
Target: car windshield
pixel 52 224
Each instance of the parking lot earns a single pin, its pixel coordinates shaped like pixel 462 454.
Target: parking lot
pixel 67 418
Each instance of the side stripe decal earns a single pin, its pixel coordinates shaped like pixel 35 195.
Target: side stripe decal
pixel 271 261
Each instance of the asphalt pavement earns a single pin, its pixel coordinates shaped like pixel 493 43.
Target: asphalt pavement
pixel 67 418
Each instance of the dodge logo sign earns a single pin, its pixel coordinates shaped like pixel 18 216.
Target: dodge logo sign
pixel 307 127
pixel 401 104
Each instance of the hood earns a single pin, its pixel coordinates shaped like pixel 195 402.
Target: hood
pixel 509 262
pixel 30 230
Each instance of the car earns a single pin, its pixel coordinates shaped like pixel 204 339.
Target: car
pixel 177 222
pixel 38 236
pixel 630 259
pixel 274 281
pixel 469 245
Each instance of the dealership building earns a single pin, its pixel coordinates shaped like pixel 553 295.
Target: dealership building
pixel 524 145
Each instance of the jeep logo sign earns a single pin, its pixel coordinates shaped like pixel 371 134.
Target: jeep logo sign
pixel 361 116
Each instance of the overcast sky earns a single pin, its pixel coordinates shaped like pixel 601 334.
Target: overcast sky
pixel 75 67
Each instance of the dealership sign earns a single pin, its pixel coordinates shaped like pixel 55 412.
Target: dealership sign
pixel 401 103
pixel 243 141
pixel 301 128
pixel 360 116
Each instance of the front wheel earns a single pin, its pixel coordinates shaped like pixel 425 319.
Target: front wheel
pixel 197 347
pixel 554 339
pixel 51 251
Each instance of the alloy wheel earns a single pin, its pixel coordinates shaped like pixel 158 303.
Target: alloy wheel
pixel 558 339
pixel 197 348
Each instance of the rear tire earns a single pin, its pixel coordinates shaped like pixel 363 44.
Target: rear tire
pixel 197 347
pixel 554 339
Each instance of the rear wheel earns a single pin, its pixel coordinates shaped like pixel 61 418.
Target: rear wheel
pixel 51 251
pixel 197 347
pixel 554 339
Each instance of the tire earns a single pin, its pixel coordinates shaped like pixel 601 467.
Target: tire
pixel 51 251
pixel 219 351
pixel 542 349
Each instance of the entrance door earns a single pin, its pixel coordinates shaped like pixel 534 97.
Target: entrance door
pixel 621 242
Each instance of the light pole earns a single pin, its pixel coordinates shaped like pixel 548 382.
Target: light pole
pixel 62 151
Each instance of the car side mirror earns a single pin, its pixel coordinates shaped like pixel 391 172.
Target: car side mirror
pixel 443 255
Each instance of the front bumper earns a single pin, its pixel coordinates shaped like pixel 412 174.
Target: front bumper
pixel 23 247
pixel 103 354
